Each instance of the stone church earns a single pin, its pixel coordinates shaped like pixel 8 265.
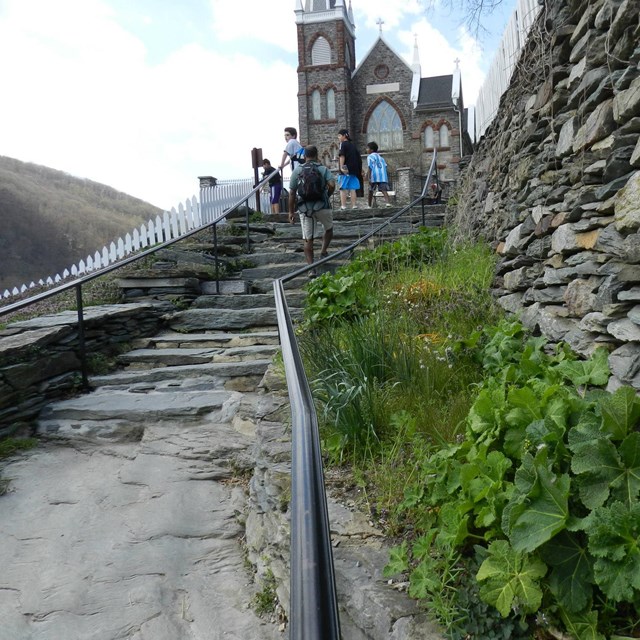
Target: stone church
pixel 381 98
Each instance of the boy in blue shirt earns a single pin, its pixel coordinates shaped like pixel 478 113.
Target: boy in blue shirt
pixel 377 174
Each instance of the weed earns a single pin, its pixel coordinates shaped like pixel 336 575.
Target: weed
pixel 266 600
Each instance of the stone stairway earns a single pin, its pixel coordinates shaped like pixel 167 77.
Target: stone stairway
pixel 139 491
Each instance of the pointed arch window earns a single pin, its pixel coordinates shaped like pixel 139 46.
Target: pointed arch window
pixel 385 127
pixel 321 51
pixel 331 104
pixel 444 136
pixel 316 109
pixel 428 137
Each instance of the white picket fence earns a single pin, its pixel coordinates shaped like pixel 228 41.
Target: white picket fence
pixel 504 62
pixel 214 203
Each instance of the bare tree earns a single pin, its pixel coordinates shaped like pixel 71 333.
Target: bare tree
pixel 470 12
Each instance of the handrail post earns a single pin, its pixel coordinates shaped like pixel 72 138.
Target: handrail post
pixel 215 256
pixel 81 342
pixel 246 204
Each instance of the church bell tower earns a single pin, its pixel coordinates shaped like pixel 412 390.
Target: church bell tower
pixel 326 61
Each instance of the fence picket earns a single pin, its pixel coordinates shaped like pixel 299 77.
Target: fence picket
pixel 158 237
pixel 173 223
pixel 182 221
pixel 166 227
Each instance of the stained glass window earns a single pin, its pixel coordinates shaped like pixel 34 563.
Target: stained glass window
pixel 428 137
pixel 315 105
pixel 385 127
pixel 444 136
pixel 331 104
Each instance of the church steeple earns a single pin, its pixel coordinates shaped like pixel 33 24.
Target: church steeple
pixel 417 74
pixel 326 62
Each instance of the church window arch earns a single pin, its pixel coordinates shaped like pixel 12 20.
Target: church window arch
pixel 320 51
pixel 385 127
pixel 331 104
pixel 428 137
pixel 316 108
pixel 444 136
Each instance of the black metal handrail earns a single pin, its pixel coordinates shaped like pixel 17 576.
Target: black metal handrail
pixel 313 608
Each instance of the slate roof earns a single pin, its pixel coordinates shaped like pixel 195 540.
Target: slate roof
pixel 435 92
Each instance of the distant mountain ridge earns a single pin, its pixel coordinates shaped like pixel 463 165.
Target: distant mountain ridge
pixel 51 220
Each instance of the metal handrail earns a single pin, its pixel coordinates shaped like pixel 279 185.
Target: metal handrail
pixel 313 607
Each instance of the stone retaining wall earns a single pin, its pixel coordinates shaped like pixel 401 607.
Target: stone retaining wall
pixel 39 358
pixel 555 182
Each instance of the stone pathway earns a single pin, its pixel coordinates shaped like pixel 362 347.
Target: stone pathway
pixel 127 522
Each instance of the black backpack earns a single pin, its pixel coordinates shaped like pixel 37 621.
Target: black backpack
pixel 310 184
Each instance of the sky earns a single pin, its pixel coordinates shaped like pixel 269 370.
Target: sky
pixel 147 95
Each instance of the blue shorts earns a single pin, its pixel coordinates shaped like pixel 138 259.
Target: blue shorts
pixel 349 182
pixel 276 190
pixel 378 186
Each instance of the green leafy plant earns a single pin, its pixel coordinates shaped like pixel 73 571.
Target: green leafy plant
pixel 548 477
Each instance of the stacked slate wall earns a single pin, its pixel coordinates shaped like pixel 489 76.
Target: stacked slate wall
pixel 40 358
pixel 555 182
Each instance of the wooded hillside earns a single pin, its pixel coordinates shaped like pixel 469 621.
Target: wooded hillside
pixel 51 220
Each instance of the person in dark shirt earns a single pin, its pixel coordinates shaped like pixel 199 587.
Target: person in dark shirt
pixel 350 165
pixel 275 185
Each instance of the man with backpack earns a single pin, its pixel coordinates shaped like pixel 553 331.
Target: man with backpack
pixel 310 188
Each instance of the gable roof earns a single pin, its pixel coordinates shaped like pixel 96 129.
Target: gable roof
pixel 373 46
pixel 435 92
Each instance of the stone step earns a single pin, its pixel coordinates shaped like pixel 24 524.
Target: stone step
pixel 199 320
pixel 177 340
pixel 249 301
pixel 134 405
pixel 168 357
pixel 288 254
pixel 242 376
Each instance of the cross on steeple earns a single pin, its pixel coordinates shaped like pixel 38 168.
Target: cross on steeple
pixel 380 22
pixel 457 61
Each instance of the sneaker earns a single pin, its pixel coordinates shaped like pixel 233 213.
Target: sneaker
pixel 386 204
pixel 343 208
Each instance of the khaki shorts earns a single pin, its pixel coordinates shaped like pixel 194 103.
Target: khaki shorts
pixel 310 223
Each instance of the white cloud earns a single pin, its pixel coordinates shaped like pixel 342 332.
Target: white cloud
pixel 85 100
pixel 257 20
pixel 392 12
pixel 438 55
